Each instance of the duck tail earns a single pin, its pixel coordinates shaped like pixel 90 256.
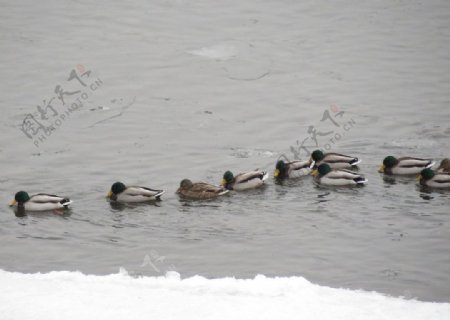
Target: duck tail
pixel 355 161
pixel 360 180
pixel 264 176
pixel 65 202
pixel 159 194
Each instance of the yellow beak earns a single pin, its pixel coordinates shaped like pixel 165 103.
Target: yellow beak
pixel 13 203
pixel 315 173
pixel 276 173
pixel 223 183
pixel 418 177
pixel 109 194
pixel 381 168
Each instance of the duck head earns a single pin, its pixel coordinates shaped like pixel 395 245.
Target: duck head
pixel 228 178
pixel 322 170
pixel 116 188
pixel 388 163
pixel 20 197
pixel 280 169
pixel 426 174
pixel 316 156
pixel 185 184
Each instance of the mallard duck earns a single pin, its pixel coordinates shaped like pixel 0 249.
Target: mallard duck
pixel 428 177
pixel 335 160
pixel 444 167
pixel 404 165
pixel 199 190
pixel 292 169
pixel 325 175
pixel 39 202
pixel 243 181
pixel 121 193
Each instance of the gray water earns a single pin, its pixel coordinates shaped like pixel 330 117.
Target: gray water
pixel 178 89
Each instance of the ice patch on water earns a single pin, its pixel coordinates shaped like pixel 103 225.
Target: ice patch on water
pixel 73 295
pixel 247 153
pixel 410 143
pixel 217 52
pixel 239 60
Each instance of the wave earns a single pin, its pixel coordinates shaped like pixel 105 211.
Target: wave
pixel 74 295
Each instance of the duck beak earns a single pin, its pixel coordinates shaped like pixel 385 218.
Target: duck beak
pixel 276 173
pixel 13 203
pixel 223 182
pixel 418 177
pixel 381 168
pixel 313 163
pixel 109 194
pixel 315 173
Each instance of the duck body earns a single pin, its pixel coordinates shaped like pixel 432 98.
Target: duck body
pixel 433 179
pixel 335 160
pixel 404 165
pixel 327 176
pixel 292 169
pixel 444 166
pixel 199 190
pixel 121 193
pixel 244 181
pixel 40 202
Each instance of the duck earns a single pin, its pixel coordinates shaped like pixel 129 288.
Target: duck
pixel 292 169
pixel 39 202
pixel 335 160
pixel 199 190
pixel 121 193
pixel 444 166
pixel 325 175
pixel 404 165
pixel 429 178
pixel 244 181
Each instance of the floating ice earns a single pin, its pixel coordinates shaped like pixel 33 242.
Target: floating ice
pixel 217 52
pixel 73 295
pixel 247 153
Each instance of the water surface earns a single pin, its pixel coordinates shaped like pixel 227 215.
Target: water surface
pixel 181 90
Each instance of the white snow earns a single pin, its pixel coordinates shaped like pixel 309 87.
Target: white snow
pixel 73 295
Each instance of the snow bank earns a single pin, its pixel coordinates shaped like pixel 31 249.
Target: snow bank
pixel 73 295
